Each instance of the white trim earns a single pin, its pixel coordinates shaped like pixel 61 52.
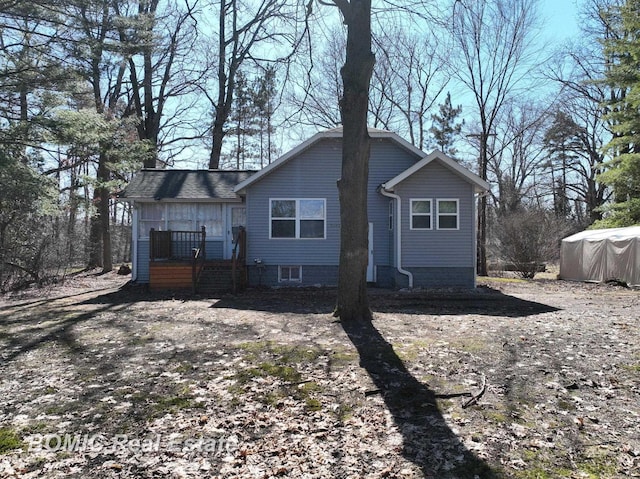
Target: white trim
pixel 411 214
pixel 480 184
pixel 399 267
pixel 332 133
pixel 289 280
pixel 297 218
pixel 457 214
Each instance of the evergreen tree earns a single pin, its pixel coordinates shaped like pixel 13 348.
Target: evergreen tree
pixel 623 112
pixel 264 100
pixel 561 141
pixel 446 128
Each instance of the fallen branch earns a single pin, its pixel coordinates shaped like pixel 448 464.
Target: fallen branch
pixel 475 398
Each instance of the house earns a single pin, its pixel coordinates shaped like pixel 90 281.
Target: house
pixel 422 217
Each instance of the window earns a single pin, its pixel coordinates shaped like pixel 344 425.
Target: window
pixel 421 214
pixel 291 274
pixel 448 215
pixel 180 217
pixel 304 218
pixel 152 215
pixel 391 204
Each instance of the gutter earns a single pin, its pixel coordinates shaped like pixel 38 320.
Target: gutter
pixel 399 267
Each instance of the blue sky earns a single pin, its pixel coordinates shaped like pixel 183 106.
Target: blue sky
pixel 560 18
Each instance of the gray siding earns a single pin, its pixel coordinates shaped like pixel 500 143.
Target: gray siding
pixel 386 162
pixel 311 276
pixel 442 277
pixel 437 248
pixel 143 261
pixel 313 174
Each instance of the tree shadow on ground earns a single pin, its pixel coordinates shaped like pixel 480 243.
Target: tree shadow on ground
pixel 428 441
pixel 482 301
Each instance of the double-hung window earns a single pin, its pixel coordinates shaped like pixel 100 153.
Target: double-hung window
pixel 421 214
pixel 298 218
pixel 448 213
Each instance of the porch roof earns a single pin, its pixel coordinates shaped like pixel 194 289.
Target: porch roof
pixel 184 185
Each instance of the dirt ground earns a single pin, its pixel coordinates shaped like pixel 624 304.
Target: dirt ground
pixel 537 379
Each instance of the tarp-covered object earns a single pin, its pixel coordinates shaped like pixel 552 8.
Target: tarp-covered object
pixel 602 255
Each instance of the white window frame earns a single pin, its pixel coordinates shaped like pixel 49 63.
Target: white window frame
pixel 456 214
pixel 289 269
pixel 430 214
pixel 297 218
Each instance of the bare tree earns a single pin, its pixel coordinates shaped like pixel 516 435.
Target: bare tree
pixel 516 156
pixel 157 40
pixel 407 82
pixel 244 32
pixel 493 40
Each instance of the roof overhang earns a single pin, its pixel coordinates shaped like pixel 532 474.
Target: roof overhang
pixel 332 133
pixel 480 185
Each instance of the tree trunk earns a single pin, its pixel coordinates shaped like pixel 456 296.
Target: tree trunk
pixel 352 302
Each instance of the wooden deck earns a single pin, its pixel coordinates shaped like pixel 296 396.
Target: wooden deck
pixel 178 275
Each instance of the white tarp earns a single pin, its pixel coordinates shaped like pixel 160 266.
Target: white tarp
pixel 602 255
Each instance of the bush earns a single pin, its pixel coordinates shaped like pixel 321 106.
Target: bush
pixel 529 237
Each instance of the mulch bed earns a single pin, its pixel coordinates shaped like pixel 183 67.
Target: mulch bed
pixel 518 379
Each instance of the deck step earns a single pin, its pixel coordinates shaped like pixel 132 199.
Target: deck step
pixel 217 279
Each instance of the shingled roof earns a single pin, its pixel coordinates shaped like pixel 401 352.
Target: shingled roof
pixel 153 184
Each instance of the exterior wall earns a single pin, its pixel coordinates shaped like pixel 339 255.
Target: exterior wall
pixel 311 276
pixel 314 174
pixel 442 277
pixel 438 248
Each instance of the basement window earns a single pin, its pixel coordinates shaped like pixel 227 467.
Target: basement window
pixel 290 274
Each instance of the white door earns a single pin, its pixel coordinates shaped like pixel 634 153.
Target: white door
pixel 236 217
pixel 371 269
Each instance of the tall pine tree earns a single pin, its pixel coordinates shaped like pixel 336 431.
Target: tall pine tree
pixel 623 112
pixel 445 128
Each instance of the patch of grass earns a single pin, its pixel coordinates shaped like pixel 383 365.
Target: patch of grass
pixel 173 404
pixel 9 440
pixel 285 353
pixel 184 368
pixel 566 405
pixel 313 404
pixel 344 412
pixel 410 351
pixel 286 373
pixel 496 416
pixel 140 340
pixel 634 368
pixel 598 466
pixel 542 472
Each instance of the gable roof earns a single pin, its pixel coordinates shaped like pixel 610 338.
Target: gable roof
pixel 374 133
pixel 154 184
pixel 479 184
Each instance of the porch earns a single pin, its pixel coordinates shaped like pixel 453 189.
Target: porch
pixel 178 260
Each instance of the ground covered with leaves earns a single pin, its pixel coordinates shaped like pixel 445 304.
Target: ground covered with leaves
pixel 537 379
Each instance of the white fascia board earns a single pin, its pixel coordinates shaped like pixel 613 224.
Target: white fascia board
pixel 146 199
pixel 480 184
pixel 332 133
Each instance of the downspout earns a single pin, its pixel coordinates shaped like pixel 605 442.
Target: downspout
pixel 399 267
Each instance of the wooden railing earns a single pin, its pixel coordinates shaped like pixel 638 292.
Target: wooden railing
pixel 199 259
pixel 175 245
pixel 238 260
